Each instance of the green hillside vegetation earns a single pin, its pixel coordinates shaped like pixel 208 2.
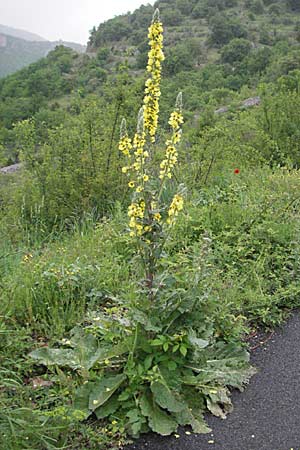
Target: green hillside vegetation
pixel 118 325
pixel 17 53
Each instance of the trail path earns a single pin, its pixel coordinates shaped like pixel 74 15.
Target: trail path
pixel 266 415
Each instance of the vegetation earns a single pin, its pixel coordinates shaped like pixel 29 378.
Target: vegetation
pixel 133 277
pixel 19 49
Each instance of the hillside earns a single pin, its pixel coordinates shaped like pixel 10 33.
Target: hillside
pixel 197 30
pixel 143 249
pixel 19 48
pixel 21 34
pixel 217 52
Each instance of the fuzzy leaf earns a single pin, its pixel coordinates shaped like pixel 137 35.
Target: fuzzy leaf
pixel 82 357
pixel 104 389
pixel 81 401
pixel 159 421
pixel 198 343
pixel 108 408
pixel 196 421
pixel 215 409
pixel 56 357
pixel 219 403
pixel 165 398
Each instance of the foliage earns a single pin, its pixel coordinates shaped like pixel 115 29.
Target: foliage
pixel 164 367
pixel 235 51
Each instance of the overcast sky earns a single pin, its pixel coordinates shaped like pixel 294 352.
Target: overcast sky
pixel 69 20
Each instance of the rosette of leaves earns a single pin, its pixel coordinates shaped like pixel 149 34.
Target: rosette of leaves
pixel 149 384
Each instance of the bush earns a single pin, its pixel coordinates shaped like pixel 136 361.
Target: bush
pixel 224 29
pixel 235 51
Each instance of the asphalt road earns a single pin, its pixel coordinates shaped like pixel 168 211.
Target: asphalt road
pixel 266 415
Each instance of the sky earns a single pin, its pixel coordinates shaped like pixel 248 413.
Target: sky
pixel 69 20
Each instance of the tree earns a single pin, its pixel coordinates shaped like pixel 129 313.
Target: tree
pixel 294 5
pixel 224 29
pixel 235 51
pixel 297 30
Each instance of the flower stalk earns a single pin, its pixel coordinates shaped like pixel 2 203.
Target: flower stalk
pixel 149 217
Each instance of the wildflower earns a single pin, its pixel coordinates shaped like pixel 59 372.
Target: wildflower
pixel 171 155
pixel 125 144
pixel 175 207
pixel 236 171
pixel 27 257
pixel 131 184
pixel 152 86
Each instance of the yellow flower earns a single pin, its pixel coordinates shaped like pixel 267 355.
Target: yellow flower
pixel 157 217
pixel 175 207
pixel 145 178
pixel 131 184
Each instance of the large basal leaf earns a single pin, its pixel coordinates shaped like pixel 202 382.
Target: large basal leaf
pixel 81 357
pixel 165 398
pixel 56 357
pixel 159 421
pixel 199 344
pixel 104 389
pixel 81 401
pixel 226 364
pixel 218 402
pixel 189 417
pixel 108 408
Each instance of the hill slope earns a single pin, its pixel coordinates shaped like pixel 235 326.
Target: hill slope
pixel 218 52
pixel 20 48
pixel 21 34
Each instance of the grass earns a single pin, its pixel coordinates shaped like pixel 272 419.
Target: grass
pixel 242 235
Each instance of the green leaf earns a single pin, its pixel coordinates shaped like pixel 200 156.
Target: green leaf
pixel 108 408
pixel 159 421
pixel 219 403
pixel 183 350
pixel 148 362
pixel 82 357
pixel 156 342
pixel 198 343
pixel 196 421
pixel 166 346
pixel 104 389
pixel 81 401
pixel 56 357
pixel 165 398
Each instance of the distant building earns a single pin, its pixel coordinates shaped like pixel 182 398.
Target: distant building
pixel 3 40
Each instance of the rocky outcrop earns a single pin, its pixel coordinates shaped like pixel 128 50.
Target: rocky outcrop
pixel 11 169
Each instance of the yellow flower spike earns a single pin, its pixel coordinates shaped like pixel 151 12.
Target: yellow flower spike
pixel 152 86
pixel 143 210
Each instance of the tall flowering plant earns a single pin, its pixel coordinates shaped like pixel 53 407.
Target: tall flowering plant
pixel 149 215
pixel 151 364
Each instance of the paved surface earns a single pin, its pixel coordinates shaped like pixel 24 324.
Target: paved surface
pixel 266 415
